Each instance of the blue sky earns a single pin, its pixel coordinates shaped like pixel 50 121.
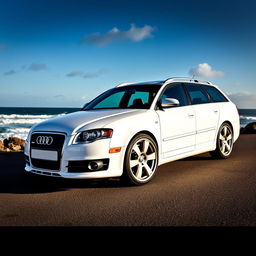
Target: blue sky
pixel 64 53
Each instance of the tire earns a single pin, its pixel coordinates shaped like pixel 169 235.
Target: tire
pixel 141 160
pixel 224 142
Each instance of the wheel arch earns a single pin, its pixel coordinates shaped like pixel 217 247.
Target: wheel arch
pixel 149 134
pixel 227 122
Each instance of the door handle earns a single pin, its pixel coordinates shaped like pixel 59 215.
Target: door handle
pixel 215 111
pixel 191 115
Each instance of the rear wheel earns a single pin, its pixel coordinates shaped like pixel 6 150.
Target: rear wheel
pixel 141 160
pixel 224 143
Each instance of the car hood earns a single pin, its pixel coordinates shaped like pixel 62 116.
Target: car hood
pixel 70 123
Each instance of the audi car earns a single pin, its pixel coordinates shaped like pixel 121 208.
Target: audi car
pixel 130 130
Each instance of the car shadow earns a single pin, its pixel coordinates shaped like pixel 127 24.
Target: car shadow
pixel 14 179
pixel 201 157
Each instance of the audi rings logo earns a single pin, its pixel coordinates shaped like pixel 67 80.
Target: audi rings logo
pixel 44 140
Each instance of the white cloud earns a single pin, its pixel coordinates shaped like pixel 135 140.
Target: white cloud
pixel 243 99
pixel 135 34
pixel 205 70
pixel 138 34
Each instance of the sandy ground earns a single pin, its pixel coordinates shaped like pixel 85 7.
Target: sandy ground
pixel 197 191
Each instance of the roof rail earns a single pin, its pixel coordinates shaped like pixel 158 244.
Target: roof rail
pixel 186 79
pixel 171 79
pixel 124 84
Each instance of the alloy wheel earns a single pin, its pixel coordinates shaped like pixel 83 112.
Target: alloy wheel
pixel 225 140
pixel 143 159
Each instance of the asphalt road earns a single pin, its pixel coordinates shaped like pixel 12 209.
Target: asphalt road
pixel 196 191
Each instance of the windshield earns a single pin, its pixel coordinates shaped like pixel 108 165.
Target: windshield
pixel 136 96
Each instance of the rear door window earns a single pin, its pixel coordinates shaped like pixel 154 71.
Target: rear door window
pixel 196 94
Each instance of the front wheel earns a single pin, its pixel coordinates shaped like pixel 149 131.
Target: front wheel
pixel 141 160
pixel 224 143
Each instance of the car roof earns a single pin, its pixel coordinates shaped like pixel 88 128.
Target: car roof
pixel 166 81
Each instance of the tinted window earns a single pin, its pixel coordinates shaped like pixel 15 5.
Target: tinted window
pixel 134 96
pixel 176 92
pixel 111 102
pixel 197 95
pixel 215 94
pixel 139 96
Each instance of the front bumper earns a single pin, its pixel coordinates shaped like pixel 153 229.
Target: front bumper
pixel 81 152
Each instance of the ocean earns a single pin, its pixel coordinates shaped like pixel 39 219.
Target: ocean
pixel 18 121
pixel 247 116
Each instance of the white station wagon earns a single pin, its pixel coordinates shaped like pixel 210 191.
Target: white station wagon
pixel 130 130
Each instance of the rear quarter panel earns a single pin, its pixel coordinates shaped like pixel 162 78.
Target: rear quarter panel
pixel 228 112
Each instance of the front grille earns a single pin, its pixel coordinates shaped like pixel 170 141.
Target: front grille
pixel 55 143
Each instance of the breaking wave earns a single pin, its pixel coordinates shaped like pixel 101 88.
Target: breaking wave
pixel 18 125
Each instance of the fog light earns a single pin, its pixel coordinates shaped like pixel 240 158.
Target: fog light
pixel 95 165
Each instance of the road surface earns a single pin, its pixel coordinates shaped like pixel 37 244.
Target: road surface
pixel 197 191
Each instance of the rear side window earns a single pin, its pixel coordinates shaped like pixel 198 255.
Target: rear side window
pixel 197 95
pixel 215 94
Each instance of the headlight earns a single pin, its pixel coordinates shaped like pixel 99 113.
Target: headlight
pixel 93 135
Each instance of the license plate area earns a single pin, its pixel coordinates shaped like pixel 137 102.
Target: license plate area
pixel 49 155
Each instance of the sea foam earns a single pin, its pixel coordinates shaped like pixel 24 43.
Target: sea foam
pixel 17 125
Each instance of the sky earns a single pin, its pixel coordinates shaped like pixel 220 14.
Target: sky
pixel 64 53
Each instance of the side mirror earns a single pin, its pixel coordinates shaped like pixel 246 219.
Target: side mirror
pixel 83 106
pixel 169 102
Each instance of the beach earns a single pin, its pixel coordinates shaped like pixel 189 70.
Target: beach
pixel 196 191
